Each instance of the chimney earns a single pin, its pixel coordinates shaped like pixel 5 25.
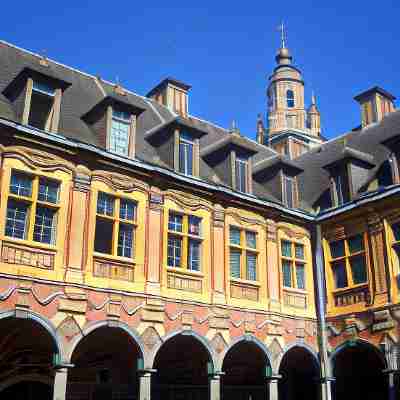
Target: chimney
pixel 172 94
pixel 375 104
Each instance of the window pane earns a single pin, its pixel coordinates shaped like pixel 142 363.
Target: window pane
pixel 194 255
pixel 339 272
pixel 288 192
pixel 44 229
pixel 299 251
pixel 43 88
pixel 48 191
pixel 21 184
pixel 127 209
pixel 290 98
pixel 337 248
pixel 194 225
pixel 186 136
pixel 175 222
pixel 105 204
pixel 121 114
pixel 339 189
pixel 251 261
pixel 125 240
pixel 241 166
pixel 186 158
pixel 16 222
pixel 356 244
pixel 103 236
pixel 234 236
pixel 251 240
pixel 235 263
pixel 300 278
pixel 287 273
pixel 358 269
pixel 396 232
pixel 119 137
pixel 286 248
pixel 174 251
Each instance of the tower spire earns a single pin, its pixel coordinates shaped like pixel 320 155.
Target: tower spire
pixel 282 29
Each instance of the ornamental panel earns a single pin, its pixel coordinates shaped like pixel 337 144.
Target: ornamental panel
pixel 297 300
pixel 22 255
pixel 243 291
pixel 188 284
pixel 113 270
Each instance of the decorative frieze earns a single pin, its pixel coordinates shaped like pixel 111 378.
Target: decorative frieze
pixel 243 291
pixel 189 284
pixel 382 320
pixel 297 300
pixel 113 270
pixel 22 255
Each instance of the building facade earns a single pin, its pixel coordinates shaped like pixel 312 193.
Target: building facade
pixel 149 254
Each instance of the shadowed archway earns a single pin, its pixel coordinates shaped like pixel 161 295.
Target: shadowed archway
pixel 182 364
pixel 245 366
pixel 358 368
pixel 299 370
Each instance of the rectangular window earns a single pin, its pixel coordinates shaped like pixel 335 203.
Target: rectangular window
pixel 120 132
pixel 243 253
pixel 338 186
pixel 348 261
pixel 289 191
pixel 42 110
pixel 115 226
pixel 32 208
pixel 186 158
pixel 241 166
pixel 293 264
pixel 184 241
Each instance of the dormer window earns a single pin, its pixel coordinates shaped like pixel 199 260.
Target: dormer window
pixel 186 159
pixel 120 132
pixel 44 106
pixel 290 98
pixel 289 191
pixel 394 168
pixel 241 175
pixel 340 188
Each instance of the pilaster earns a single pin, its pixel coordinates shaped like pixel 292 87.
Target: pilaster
pixel 218 252
pixel 154 239
pixel 273 266
pixel 78 221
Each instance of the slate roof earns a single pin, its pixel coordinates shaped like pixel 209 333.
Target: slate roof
pixel 84 92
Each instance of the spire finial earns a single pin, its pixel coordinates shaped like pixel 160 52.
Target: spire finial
pixel 313 102
pixel 282 29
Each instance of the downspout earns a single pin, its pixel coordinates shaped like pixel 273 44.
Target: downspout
pixel 325 368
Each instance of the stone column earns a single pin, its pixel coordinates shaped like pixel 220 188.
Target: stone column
pixel 60 383
pixel 154 239
pixel 78 221
pixel 272 387
pixel 145 383
pixel 214 385
pixel 326 388
pixel 218 251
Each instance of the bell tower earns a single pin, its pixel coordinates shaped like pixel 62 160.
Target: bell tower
pixel 292 129
pixel 285 93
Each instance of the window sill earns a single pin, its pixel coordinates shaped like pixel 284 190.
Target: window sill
pixel 28 243
pixel 245 282
pixel 109 257
pixel 183 271
pixel 350 289
pixel 295 290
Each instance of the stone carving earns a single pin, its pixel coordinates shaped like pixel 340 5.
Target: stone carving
pixel 184 283
pixel 219 216
pixel 243 291
pixel 112 270
pixel 81 179
pixel 119 182
pixel 68 328
pixel 218 343
pixel 185 200
pixel 276 349
pixel 382 320
pixel 22 255
pixel 352 296
pixel 296 300
pixel 150 337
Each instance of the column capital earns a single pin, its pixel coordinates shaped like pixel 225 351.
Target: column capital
pixel 273 377
pixel 146 371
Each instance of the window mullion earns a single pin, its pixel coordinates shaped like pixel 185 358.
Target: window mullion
pixel 185 241
pixel 32 212
pixel 116 223
pixel 347 262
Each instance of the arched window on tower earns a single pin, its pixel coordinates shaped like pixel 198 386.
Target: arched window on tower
pixel 290 98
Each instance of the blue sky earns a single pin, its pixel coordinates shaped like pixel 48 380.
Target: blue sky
pixel 225 50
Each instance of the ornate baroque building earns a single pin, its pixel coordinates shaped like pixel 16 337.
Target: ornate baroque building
pixel 149 254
